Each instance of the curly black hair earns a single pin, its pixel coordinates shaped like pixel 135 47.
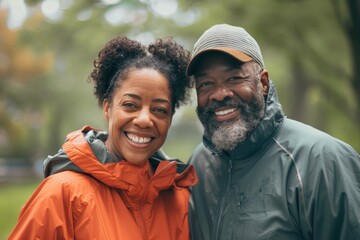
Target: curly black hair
pixel 121 55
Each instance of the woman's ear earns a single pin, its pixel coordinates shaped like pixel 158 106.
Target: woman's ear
pixel 264 79
pixel 106 109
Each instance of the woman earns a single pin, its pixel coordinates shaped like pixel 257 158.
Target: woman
pixel 117 184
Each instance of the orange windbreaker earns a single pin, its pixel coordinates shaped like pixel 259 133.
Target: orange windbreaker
pixel 107 199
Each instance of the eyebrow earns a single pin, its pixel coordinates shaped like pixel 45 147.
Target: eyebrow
pixel 161 100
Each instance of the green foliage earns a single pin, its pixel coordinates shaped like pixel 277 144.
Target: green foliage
pixel 13 197
pixel 305 48
pixel 184 135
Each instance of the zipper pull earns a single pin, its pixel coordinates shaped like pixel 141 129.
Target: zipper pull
pixel 230 165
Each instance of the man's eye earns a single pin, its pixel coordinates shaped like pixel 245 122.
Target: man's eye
pixel 234 79
pixel 203 85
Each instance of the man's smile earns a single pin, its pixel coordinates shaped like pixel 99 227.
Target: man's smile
pixel 226 114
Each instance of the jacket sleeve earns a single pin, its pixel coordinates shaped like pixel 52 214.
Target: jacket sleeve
pixel 332 193
pixel 47 214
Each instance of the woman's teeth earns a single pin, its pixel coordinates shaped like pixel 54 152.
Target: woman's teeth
pixel 137 139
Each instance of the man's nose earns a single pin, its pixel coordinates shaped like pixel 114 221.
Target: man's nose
pixel 221 93
pixel 143 119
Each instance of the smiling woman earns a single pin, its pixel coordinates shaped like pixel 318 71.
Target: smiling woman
pixel 118 184
pixel 139 116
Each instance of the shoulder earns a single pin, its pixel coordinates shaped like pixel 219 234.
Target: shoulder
pixel 70 178
pixel 293 127
pixel 296 135
pixel 200 151
pixel 70 185
pixel 61 193
pixel 315 150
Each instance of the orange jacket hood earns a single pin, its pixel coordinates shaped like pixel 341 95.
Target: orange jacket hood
pixel 89 195
pixel 84 151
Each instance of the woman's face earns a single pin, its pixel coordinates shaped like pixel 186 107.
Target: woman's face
pixel 139 115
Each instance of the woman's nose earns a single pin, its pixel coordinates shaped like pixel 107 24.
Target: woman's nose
pixel 221 93
pixel 143 119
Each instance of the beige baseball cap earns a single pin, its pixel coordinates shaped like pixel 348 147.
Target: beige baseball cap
pixel 233 40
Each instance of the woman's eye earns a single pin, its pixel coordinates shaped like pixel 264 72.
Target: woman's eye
pixel 129 105
pixel 162 111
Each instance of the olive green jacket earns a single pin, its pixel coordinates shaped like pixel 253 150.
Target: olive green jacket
pixel 286 181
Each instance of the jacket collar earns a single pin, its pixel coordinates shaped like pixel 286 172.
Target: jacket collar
pixel 84 151
pixel 271 121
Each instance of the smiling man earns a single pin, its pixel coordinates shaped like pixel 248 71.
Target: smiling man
pixel 230 100
pixel 261 174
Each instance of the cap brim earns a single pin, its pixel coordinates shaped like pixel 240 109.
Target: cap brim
pixel 230 51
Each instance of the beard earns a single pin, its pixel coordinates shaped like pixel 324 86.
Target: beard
pixel 227 135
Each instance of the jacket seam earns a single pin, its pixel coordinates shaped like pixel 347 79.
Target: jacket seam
pixel 298 176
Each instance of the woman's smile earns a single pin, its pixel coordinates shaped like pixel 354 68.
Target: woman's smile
pixel 139 115
pixel 137 139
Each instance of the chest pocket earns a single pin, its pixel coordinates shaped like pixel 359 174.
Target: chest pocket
pixel 253 197
pixel 249 208
pixel 252 201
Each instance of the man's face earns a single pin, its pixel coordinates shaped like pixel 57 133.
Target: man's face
pixel 230 98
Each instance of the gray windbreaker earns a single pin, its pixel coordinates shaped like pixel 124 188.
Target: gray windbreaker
pixel 286 181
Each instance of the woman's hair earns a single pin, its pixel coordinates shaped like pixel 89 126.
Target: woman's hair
pixel 121 55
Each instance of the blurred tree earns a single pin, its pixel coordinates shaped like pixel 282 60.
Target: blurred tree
pixel 75 36
pixel 349 20
pixel 307 51
pixel 75 40
pixel 20 66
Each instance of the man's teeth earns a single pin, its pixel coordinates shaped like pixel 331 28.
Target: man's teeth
pixel 230 110
pixel 137 139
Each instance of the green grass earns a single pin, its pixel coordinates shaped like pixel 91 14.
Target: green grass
pixel 12 198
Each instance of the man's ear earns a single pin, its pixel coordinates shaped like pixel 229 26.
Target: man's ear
pixel 106 109
pixel 264 79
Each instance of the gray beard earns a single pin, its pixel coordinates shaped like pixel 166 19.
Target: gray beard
pixel 225 136
pixel 228 135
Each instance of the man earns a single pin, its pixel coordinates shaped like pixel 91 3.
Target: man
pixel 261 174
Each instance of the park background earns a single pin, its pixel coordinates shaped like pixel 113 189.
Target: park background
pixel 47 47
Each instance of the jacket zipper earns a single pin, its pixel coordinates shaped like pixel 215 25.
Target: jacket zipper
pixel 222 203
pixel 143 201
pixel 141 213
